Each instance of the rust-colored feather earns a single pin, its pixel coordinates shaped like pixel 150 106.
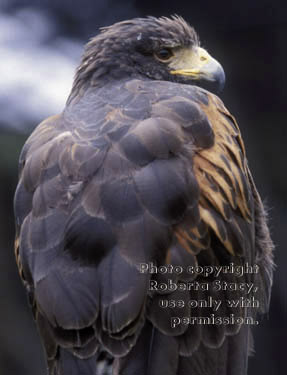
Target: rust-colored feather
pixel 222 173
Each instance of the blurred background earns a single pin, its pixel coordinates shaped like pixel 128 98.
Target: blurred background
pixel 41 43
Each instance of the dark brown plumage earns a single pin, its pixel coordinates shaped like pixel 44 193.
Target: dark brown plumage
pixel 142 166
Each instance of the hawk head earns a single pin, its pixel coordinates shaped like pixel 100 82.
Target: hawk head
pixel 152 48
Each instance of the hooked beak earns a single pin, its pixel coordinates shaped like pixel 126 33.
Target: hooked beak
pixel 203 69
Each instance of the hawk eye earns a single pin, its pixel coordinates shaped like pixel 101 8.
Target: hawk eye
pixel 164 54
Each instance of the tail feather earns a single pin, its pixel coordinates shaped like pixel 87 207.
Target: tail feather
pixel 69 364
pixel 230 359
pixel 153 354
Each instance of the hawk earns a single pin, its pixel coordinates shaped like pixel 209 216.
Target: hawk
pixel 144 166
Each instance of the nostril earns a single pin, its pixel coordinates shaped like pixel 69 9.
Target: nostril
pixel 203 58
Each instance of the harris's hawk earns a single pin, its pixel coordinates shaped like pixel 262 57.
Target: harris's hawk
pixel 143 167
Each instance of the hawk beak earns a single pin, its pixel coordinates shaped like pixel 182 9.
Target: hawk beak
pixel 197 64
